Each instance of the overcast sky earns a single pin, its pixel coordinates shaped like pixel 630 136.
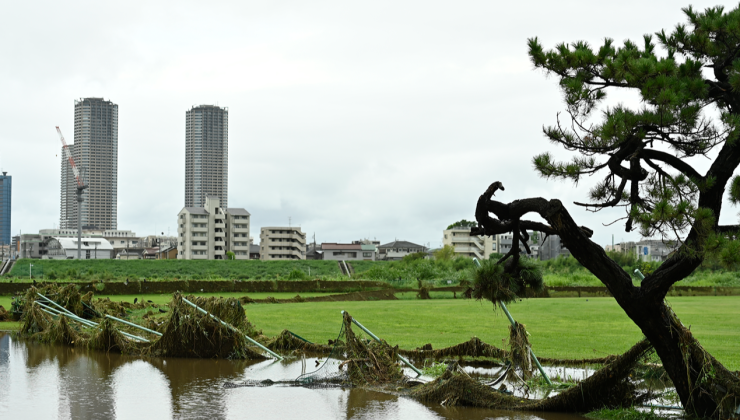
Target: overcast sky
pixel 382 119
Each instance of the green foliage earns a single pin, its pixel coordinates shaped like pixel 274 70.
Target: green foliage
pixel 464 224
pixel 624 414
pixel 230 255
pixel 175 269
pixel 415 256
pixel 735 190
pixel 445 253
pixel 296 274
pixel 435 369
pixel 679 110
pixel 404 273
pixel 503 283
pixel 495 256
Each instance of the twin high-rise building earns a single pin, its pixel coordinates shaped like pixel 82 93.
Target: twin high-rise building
pixel 206 155
pixel 95 151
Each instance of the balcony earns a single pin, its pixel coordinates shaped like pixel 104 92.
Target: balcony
pixel 274 236
pixel 199 229
pixel 199 247
pixel 469 250
pixel 219 252
pixel 220 225
pixel 219 234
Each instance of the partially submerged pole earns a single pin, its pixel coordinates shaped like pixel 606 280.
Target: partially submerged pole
pixel 134 325
pixel 83 321
pixel 229 326
pixel 375 337
pixel 513 324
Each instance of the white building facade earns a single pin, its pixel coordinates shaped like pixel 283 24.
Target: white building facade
pixel 66 249
pixel 210 232
pixel 281 243
pixel 480 247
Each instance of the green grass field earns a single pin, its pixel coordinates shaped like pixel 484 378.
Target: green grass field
pixel 563 328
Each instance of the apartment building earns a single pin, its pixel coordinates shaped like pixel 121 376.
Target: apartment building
pixel 280 243
pixel 95 151
pixel 6 186
pixel 480 247
pixel 209 232
pixel 552 247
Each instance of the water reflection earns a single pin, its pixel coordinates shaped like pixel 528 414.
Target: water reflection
pixel 39 381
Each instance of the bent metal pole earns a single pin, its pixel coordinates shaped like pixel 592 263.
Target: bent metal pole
pixel 86 322
pixel 513 324
pixel 375 337
pixel 123 321
pixel 229 326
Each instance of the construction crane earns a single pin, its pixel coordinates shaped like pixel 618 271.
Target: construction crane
pixel 80 187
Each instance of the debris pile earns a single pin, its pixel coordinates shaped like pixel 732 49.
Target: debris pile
pixel 609 387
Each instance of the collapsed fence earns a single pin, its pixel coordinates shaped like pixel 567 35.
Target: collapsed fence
pixel 218 328
pixel 60 315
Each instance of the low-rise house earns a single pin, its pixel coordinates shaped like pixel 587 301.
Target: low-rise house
pixel 169 253
pixel 254 251
pixel 341 252
pixel 313 252
pixel 150 253
pixel 654 250
pixel 66 249
pixel 396 250
pixel 130 254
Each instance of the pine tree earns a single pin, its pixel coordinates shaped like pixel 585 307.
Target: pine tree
pixel 690 91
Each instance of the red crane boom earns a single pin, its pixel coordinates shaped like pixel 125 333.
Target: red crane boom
pixel 71 160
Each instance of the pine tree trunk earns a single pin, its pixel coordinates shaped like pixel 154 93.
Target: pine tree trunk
pixel 706 388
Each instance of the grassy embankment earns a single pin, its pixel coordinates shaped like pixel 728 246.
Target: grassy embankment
pixel 565 328
pixel 558 272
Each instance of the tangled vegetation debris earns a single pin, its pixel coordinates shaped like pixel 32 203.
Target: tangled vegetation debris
pixel 186 332
pixel 471 348
pixel 608 387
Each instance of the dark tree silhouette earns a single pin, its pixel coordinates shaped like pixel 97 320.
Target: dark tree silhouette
pixel 690 107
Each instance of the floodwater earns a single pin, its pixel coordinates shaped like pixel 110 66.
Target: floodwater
pixel 54 382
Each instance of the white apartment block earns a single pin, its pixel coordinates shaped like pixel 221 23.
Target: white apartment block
pixel 280 243
pixel 480 247
pixel 209 232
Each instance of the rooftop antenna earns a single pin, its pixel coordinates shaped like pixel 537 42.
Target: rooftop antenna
pixel 290 219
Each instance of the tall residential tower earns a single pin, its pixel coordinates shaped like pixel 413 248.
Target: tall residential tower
pixel 206 155
pixel 95 151
pixel 6 185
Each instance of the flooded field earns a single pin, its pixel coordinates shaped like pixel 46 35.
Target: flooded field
pixel 47 382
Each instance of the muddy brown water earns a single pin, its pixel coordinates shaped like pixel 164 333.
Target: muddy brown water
pixel 55 382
